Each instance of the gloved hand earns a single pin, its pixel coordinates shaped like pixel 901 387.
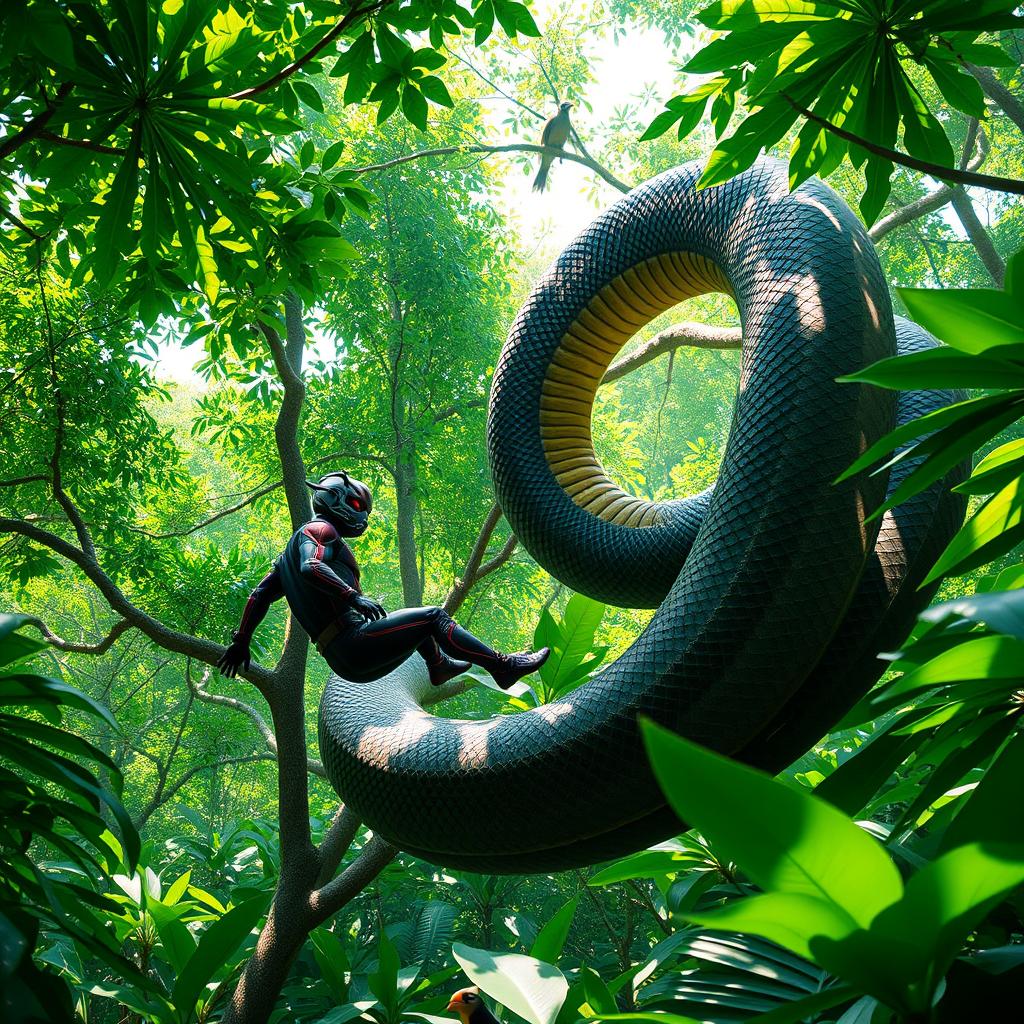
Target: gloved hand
pixel 236 658
pixel 370 610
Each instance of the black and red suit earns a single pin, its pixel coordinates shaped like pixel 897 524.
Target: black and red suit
pixel 319 576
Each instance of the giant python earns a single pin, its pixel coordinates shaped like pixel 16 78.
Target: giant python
pixel 773 594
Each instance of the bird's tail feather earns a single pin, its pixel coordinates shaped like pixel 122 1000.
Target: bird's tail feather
pixel 540 182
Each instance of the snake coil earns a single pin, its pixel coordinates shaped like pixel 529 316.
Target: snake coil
pixel 773 595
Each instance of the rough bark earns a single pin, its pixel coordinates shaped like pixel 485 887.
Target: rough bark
pixel 999 94
pixel 978 235
pixel 407 503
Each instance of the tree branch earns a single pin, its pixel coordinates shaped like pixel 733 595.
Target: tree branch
pixel 464 583
pixel 313 766
pixel 329 899
pixel 33 128
pixel 339 838
pixel 498 560
pixel 494 85
pixel 18 480
pixel 164 636
pixel 252 497
pixel 95 147
pixel 296 65
pixel 929 203
pixel 998 93
pixel 72 647
pixel 989 181
pixel 978 235
pixel 689 333
pixel 170 792
pixel 6 214
pixel 517 147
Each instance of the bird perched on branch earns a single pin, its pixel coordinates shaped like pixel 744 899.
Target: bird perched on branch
pixel 556 133
pixel 468 1004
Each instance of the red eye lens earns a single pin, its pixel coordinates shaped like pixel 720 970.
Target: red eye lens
pixel 356 504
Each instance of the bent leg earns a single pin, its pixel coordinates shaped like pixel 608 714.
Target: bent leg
pixel 375 648
pixel 379 646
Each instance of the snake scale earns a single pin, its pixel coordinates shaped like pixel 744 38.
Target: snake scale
pixel 773 596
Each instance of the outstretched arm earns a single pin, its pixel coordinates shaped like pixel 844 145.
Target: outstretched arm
pixel 316 548
pixel 238 657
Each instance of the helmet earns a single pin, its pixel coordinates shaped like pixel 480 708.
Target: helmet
pixel 345 503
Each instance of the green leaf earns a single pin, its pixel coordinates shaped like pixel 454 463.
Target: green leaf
pixel 789 918
pixel 331 155
pixel 980 660
pixel 984 817
pixel 975 410
pixel 946 900
pixel 940 368
pixel 859 777
pixel 207 266
pixel 309 95
pixel 806 1008
pixel 970 319
pixel 529 987
pixel 551 938
pixel 435 90
pixel 414 106
pixel 330 957
pixel 644 1018
pixel 785 840
pixel 758 132
pixel 216 947
pixel 1015 276
pixel 946 450
pixel 960 90
pixel 667 859
pixel 113 233
pixel 1000 610
pixel 997 527
pixel 996 470
pixel 178 888
pixel 383 982
pixel 661 124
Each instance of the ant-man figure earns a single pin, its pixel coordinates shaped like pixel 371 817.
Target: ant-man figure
pixel 318 574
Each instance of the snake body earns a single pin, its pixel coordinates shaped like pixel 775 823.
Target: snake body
pixel 772 594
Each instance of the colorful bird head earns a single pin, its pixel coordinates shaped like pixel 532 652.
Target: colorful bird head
pixel 465 1002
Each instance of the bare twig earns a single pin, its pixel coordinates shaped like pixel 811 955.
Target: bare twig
pixel 72 647
pixel 516 147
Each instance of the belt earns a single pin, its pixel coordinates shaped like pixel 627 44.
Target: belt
pixel 329 634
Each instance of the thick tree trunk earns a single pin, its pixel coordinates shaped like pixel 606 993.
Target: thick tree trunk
pixel 999 93
pixel 408 507
pixel 266 971
pixel 978 235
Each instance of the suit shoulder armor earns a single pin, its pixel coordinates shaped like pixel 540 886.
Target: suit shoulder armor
pixel 320 531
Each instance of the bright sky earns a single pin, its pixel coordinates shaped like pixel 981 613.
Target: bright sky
pixel 546 221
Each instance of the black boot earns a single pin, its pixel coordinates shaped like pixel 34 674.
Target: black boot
pixel 439 665
pixel 505 669
pixel 512 667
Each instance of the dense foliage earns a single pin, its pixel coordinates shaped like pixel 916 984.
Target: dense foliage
pixel 324 199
